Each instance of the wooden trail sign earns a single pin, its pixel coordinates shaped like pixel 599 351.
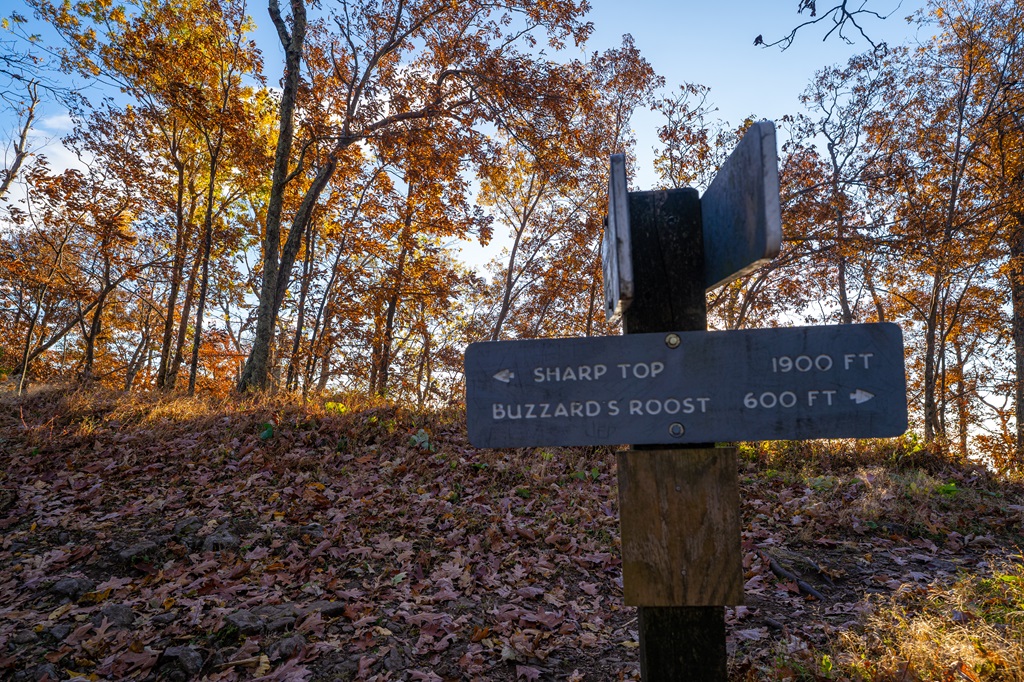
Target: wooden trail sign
pixel 843 381
pixel 672 389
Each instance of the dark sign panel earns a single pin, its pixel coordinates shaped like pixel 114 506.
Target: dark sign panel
pixel 616 254
pixel 740 212
pixel 843 381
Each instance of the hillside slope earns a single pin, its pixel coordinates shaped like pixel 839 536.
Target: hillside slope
pixel 177 539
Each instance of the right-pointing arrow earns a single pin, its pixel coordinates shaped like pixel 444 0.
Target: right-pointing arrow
pixel 861 396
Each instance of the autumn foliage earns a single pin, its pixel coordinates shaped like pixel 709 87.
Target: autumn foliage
pixel 237 224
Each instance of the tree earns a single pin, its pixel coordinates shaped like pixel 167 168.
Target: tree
pixel 75 251
pixel 1003 175
pixel 190 66
pixel 550 196
pixel 26 109
pixel 385 65
pixel 428 206
pixel 944 97
pixel 844 246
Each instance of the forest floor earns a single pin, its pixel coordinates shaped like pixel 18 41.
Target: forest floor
pixel 180 539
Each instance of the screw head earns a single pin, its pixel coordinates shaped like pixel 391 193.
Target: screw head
pixel 676 430
pixel 673 340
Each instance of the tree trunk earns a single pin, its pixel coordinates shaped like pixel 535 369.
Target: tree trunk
pixel 22 369
pixel 204 281
pixel 325 374
pixel 186 312
pixel 375 351
pixel 963 413
pixel 21 146
pixel 292 382
pixel 204 285
pixel 97 318
pixel 138 357
pixel 320 321
pixel 869 282
pixel 383 373
pixel 1016 277
pixel 844 297
pixel 506 298
pixel 257 366
pixel 95 326
pixel 592 306
pixel 931 417
pixel 423 366
pixel 177 271
pixel 840 245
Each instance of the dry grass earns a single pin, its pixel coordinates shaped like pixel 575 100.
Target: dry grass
pixel 910 500
pixel 971 630
pixel 907 451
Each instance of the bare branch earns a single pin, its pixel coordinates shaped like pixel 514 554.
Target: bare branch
pixel 21 145
pixel 841 17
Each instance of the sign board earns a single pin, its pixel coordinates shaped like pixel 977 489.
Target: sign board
pixel 740 212
pixel 843 381
pixel 616 253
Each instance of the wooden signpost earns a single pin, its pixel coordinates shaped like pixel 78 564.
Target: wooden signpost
pixel 672 389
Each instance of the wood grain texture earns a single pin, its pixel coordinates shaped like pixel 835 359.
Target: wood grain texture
pixel 680 525
pixel 668 263
pixel 740 209
pixel 677 643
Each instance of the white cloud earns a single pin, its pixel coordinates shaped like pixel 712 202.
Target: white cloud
pixel 56 124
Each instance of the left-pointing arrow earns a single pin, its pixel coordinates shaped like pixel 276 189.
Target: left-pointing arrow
pixel 505 375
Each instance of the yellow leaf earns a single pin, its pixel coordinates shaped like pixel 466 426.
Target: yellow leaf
pixel 60 611
pixel 95 597
pixel 168 603
pixel 264 667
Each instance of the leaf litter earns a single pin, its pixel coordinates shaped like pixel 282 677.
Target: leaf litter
pixel 181 539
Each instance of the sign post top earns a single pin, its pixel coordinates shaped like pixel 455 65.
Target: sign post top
pixel 740 214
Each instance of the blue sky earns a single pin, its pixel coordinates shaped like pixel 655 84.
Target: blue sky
pixel 712 43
